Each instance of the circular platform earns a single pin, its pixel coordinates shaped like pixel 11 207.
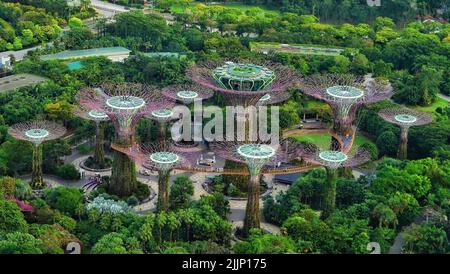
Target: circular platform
pixel 37 133
pixel 405 118
pixel 256 151
pixel 345 92
pixel 125 102
pixel 237 76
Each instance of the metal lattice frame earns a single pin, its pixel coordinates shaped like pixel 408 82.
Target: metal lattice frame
pixel 90 114
pixel 405 117
pixel 124 103
pixel 147 155
pixel 272 99
pixel 284 78
pixel 37 131
pixel 231 151
pixel 243 76
pixel 345 93
pixel 187 93
pixel 333 159
pixel 163 114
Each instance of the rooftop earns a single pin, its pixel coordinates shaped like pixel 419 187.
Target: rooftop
pixel 73 54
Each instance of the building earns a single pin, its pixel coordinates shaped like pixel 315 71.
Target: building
pixel 5 63
pixel 115 54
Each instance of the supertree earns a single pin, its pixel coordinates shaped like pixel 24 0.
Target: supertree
pixel 272 99
pixel 98 118
pixel 243 83
pixel 125 104
pixel 255 156
pixel 187 93
pixel 405 118
pixel 163 115
pixel 332 159
pixel 345 93
pixel 37 132
pixel 163 157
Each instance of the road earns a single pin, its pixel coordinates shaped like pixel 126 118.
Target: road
pixel 107 9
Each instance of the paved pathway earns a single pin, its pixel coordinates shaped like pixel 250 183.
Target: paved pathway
pixel 399 242
pixel 445 97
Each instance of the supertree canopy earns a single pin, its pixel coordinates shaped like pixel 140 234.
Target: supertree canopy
pixel 255 156
pixel 163 115
pixel 37 132
pixel 163 157
pixel 272 99
pixel 345 94
pixel 332 159
pixel 98 118
pixel 405 118
pixel 187 93
pixel 243 76
pixel 243 83
pixel 124 104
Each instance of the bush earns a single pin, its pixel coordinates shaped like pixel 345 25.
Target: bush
pixel 370 147
pixel 181 191
pixel 387 143
pixel 64 199
pixel 132 201
pixel 7 186
pixel 142 191
pixel 68 172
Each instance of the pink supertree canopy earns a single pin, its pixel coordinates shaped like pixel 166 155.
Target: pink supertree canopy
pixel 243 83
pixel 256 155
pixel 37 131
pixel 187 93
pixel 332 158
pixel 124 104
pixel 345 93
pixel 162 155
pixel 405 117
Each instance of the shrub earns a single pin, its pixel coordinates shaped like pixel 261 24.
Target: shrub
pixel 132 201
pixel 68 172
pixel 7 186
pixel 64 199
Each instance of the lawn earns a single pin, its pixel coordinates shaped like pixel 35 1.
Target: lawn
pixel 323 140
pixel 306 49
pixel 179 8
pixel 432 108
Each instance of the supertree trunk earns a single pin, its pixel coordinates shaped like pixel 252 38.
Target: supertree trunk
pixel 163 190
pixel 252 213
pixel 342 130
pixel 99 153
pixel 162 130
pixel 329 195
pixel 37 181
pixel 403 147
pixel 123 174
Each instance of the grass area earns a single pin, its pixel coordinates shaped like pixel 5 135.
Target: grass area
pixel 432 108
pixel 179 8
pixel 306 49
pixel 323 140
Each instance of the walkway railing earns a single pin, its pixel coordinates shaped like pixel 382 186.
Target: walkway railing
pixel 214 170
